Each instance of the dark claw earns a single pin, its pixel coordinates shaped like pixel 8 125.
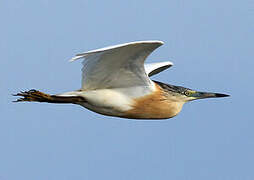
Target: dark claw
pixel 25 95
pixel 20 99
pixel 32 90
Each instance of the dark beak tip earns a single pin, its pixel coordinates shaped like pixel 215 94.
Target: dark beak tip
pixel 221 95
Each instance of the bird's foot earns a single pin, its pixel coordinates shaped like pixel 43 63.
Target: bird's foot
pixel 32 95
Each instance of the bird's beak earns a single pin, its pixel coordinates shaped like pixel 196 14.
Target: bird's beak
pixel 202 95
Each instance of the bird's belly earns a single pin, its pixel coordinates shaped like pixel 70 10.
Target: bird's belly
pixel 107 102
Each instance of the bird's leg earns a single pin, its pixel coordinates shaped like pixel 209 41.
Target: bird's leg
pixel 37 96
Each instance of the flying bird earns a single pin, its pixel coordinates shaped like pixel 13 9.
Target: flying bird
pixel 116 82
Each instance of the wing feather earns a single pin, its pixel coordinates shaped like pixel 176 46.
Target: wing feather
pixel 117 66
pixel 155 68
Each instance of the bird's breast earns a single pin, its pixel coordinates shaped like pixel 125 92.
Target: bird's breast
pixel 154 106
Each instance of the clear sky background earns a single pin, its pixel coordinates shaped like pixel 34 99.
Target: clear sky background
pixel 211 45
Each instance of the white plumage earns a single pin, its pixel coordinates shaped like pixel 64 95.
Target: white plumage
pixel 113 76
pixel 119 66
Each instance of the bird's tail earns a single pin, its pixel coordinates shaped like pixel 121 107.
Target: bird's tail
pixel 37 96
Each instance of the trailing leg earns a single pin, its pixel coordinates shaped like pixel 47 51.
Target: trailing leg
pixel 37 96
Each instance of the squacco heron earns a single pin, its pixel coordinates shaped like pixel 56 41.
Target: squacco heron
pixel 115 82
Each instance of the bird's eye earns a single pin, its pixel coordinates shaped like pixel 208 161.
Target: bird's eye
pixel 187 93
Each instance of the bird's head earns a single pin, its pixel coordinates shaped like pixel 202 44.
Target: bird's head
pixel 182 94
pixel 193 95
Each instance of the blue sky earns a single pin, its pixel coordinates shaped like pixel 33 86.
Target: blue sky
pixel 211 46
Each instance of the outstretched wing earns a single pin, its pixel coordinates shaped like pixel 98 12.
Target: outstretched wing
pixel 117 66
pixel 155 68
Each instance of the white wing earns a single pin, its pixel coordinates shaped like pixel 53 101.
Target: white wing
pixel 155 68
pixel 117 66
